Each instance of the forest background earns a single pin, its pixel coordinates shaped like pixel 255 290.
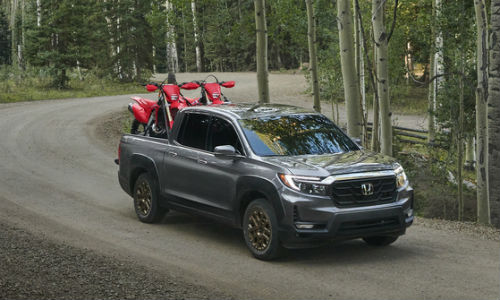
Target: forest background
pixel 436 55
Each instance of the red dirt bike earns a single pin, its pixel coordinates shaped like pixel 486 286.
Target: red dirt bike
pixel 211 91
pixel 151 115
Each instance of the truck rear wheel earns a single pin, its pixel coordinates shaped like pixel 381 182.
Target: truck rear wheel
pixel 260 230
pixel 146 203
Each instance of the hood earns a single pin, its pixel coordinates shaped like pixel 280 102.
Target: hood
pixel 334 164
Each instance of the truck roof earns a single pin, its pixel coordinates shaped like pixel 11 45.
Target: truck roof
pixel 253 110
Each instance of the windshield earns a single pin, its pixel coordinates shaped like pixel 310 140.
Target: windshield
pixel 295 135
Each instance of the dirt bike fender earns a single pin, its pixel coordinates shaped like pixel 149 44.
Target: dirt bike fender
pixel 146 103
pixel 140 113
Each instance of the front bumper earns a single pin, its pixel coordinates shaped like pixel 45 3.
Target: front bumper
pixel 311 220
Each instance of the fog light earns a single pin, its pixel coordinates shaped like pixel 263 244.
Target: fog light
pixel 304 226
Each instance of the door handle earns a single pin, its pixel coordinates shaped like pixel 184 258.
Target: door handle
pixel 202 161
pixel 174 154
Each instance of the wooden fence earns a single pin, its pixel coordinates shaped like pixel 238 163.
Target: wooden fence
pixel 407 135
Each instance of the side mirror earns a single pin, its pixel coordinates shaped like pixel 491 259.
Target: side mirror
pixel 225 150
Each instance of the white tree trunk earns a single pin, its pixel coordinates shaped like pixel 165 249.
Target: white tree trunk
pixel 313 60
pixel 460 138
pixel 494 115
pixel 261 59
pixel 118 63
pixel 196 42
pixel 360 74
pixel 362 77
pixel 438 60
pixel 172 58
pixel 38 13
pixel 113 47
pixel 469 152
pixel 380 41
pixel 154 60
pixel 347 60
pixel 483 210
pixel 375 145
pixel 13 30
pixel 430 101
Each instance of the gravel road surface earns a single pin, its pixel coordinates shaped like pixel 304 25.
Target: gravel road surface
pixel 59 195
pixel 35 267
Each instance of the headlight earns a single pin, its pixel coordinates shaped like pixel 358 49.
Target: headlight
pixel 307 185
pixel 401 179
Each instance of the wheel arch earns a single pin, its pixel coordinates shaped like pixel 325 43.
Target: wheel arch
pixel 251 188
pixel 141 164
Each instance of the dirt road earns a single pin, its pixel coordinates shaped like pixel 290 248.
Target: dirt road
pixel 58 181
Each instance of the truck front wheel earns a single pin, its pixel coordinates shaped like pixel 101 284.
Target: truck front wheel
pixel 146 204
pixel 260 230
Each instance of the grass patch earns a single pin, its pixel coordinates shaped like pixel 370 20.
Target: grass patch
pixel 405 99
pixel 34 85
pixel 409 99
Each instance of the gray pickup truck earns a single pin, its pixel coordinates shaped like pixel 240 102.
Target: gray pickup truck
pixel 287 176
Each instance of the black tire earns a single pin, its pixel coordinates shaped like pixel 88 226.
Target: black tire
pixel 380 240
pixel 146 203
pixel 137 127
pixel 255 235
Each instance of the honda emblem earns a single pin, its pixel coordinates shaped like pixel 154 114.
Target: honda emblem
pixel 367 189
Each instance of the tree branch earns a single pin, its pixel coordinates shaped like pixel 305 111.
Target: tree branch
pixel 427 82
pixel 394 15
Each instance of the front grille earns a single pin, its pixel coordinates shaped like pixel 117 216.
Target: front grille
pixel 348 193
pixel 369 226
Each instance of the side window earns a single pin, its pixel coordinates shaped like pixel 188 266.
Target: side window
pixel 222 133
pixel 193 131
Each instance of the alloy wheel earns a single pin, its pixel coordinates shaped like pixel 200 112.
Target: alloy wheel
pixel 259 229
pixel 144 198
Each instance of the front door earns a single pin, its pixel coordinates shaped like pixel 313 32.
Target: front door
pixel 219 175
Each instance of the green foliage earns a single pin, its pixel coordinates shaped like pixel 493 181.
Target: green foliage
pixel 62 42
pixel 329 71
pixel 36 84
pixel 411 36
pixel 109 37
pixel 131 38
pixel 4 39
pixel 458 29
pixel 215 35
pixel 287 29
pixel 157 19
pixel 407 99
pixel 435 197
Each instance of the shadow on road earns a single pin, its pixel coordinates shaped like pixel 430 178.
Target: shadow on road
pixel 354 252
